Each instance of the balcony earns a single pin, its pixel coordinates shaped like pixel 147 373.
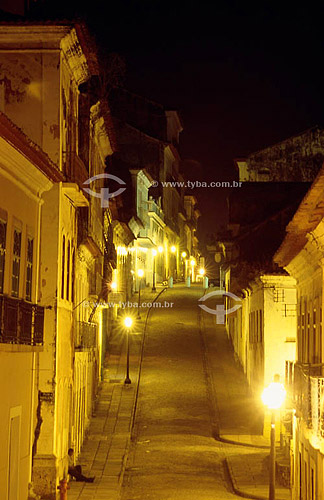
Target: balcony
pixel 155 210
pixel 21 323
pixel 76 174
pixel 309 395
pixel 86 335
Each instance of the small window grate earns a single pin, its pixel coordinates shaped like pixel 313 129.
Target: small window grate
pixel 279 295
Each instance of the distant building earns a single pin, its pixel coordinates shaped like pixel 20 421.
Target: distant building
pixel 296 159
pixel 275 180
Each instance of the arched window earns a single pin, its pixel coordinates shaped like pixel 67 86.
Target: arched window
pixel 68 271
pixel 73 276
pixel 63 268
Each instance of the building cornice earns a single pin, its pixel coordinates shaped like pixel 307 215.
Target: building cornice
pixel 14 136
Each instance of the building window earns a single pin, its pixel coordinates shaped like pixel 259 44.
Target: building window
pixel 16 263
pixel 3 232
pixel 73 276
pixel 63 268
pixel 29 270
pixel 68 274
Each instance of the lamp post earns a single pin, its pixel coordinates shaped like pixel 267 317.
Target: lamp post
pixel 140 274
pixel 273 397
pixel 154 252
pixel 173 250
pixel 128 324
pixel 184 255
pixel 192 263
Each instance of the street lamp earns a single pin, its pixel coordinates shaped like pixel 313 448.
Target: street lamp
pixel 173 249
pixel 128 324
pixel 273 397
pixel 202 271
pixel 160 249
pixel 140 274
pixel 154 252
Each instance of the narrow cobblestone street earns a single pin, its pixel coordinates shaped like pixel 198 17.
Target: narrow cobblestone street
pixel 193 414
pixel 191 389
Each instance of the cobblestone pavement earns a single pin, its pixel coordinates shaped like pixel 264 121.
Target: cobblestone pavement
pixel 191 391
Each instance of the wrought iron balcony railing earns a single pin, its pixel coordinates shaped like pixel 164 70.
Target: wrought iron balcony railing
pixel 20 322
pixel 86 335
pixel 309 395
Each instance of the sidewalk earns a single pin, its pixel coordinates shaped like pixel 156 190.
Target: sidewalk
pixel 240 420
pixel 104 452
pixel 249 475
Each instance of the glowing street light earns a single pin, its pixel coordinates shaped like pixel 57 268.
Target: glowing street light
pixel 173 249
pixel 113 285
pixel 183 255
pixel 154 253
pixel 160 249
pixel 202 271
pixel 273 397
pixel 140 274
pixel 128 322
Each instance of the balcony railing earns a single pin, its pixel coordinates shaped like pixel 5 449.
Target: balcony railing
pixel 86 335
pixel 75 169
pixel 153 207
pixel 20 322
pixel 309 395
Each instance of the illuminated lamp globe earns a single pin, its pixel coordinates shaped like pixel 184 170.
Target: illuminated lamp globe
pixel 274 395
pixel 128 322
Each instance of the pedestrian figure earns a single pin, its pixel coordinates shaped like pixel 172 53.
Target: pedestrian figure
pixel 76 470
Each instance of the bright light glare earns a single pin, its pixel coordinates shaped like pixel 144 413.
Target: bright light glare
pixel 113 285
pixel 154 252
pixel 128 322
pixel 183 254
pixel 274 395
pixel 192 262
pixel 173 249
pixel 140 273
pixel 201 271
pixel 160 249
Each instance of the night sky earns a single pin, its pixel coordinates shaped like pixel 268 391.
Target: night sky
pixel 242 76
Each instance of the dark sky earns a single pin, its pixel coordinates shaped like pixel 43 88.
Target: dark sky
pixel 243 76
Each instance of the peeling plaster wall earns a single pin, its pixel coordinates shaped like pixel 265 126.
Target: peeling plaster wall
pixel 30 96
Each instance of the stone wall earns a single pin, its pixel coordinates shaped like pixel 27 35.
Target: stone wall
pixel 296 159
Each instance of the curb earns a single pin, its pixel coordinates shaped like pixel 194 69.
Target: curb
pixel 236 490
pixel 218 437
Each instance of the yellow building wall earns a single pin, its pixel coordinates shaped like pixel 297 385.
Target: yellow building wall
pixel 17 363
